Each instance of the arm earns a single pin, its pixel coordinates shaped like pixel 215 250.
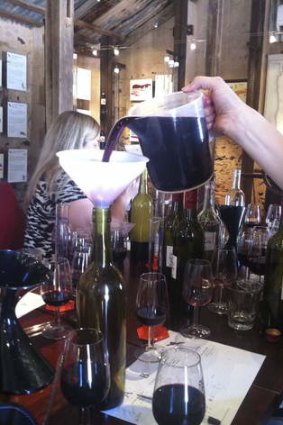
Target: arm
pixel 227 114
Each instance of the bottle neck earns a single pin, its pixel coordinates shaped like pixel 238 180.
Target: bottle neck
pixel 190 204
pixel 101 219
pixel 177 203
pixel 209 201
pixel 237 180
pixel 143 183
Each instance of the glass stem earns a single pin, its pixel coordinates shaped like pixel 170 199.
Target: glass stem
pixel 149 338
pixel 196 316
pixel 85 416
pixel 57 319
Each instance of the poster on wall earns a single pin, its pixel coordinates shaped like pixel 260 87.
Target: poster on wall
pixel 240 88
pixel 17 165
pixel 1 119
pixel 16 119
pixel 163 85
pixel 82 83
pixel 16 71
pixel 140 90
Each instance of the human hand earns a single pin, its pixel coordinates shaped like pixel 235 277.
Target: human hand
pixel 221 104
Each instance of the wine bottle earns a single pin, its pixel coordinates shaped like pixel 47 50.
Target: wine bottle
pixel 235 196
pixel 171 221
pixel 101 304
pixel 188 243
pixel 210 222
pixel 141 212
pixel 272 304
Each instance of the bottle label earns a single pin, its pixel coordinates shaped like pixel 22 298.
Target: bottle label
pixel 209 241
pixel 169 254
pixel 174 267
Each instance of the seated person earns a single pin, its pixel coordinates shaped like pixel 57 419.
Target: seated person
pixel 12 219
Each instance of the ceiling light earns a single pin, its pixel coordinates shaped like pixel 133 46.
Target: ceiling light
pixel 193 45
pixel 272 38
pixel 171 63
pixel 156 25
pixel 94 52
pixel 75 56
pixel 116 69
pixel 166 58
pixel 116 51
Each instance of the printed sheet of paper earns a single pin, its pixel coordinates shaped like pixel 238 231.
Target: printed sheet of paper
pixel 228 374
pixel 16 71
pixel 17 165
pixel 29 302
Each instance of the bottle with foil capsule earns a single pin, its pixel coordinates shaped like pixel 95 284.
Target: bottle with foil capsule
pixel 210 222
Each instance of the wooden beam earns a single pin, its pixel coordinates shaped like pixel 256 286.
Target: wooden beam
pixel 163 16
pixel 59 57
pixel 85 25
pixel 106 84
pixel 20 19
pixel 180 39
pixel 28 6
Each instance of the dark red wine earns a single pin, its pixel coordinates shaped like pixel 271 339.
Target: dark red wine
pixel 56 298
pixel 170 406
pixel 119 254
pixel 78 389
pixel 177 148
pixel 232 217
pixel 257 265
pixel 150 317
pixel 243 258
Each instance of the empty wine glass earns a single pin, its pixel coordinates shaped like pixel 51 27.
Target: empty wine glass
pixel 85 375
pixel 57 292
pixel 179 394
pixel 225 274
pixel 197 292
pixel 253 215
pixel 152 306
pixel 273 217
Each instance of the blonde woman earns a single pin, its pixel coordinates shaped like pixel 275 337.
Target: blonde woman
pixel 50 185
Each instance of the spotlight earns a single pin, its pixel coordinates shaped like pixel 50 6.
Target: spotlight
pixel 116 51
pixel 116 70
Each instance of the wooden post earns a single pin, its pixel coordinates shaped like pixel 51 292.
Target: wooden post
pixel 180 39
pixel 106 85
pixel 59 41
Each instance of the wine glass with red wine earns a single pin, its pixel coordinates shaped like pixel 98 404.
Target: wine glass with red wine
pixel 197 292
pixel 179 395
pixel 152 305
pixel 85 373
pixel 57 292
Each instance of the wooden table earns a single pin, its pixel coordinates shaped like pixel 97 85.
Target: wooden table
pixel 264 394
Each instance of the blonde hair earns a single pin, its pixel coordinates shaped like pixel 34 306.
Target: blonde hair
pixel 70 130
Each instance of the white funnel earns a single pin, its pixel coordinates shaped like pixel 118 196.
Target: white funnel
pixel 102 182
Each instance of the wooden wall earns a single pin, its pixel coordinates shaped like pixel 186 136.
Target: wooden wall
pixel 23 40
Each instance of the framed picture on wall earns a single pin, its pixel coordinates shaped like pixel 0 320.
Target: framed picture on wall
pixel 239 87
pixel 141 90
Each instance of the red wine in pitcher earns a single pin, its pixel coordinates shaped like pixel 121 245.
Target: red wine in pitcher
pixel 177 148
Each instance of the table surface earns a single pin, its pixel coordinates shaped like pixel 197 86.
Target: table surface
pixel 264 394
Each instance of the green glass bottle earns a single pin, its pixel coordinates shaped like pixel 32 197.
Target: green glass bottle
pixel 272 304
pixel 141 212
pixel 101 304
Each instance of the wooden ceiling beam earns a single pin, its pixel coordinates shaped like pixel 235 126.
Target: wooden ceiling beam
pixel 21 19
pixel 166 14
pixel 28 6
pixel 82 24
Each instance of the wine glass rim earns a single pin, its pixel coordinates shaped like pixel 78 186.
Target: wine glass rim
pixel 195 359
pixel 152 276
pixel 78 336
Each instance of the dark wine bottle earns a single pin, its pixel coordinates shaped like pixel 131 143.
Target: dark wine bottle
pixel 210 222
pixel 188 243
pixel 101 304
pixel 171 222
pixel 272 304
pixel 141 212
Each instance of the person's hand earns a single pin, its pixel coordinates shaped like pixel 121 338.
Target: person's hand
pixel 221 104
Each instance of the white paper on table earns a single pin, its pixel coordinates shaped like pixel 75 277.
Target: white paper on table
pixel 29 302
pixel 228 374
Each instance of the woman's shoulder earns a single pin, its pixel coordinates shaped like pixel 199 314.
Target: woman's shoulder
pixel 67 190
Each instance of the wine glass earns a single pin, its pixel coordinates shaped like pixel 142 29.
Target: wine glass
pixel 56 292
pixel 225 274
pixel 257 250
pixel 197 292
pixel 152 306
pixel 273 217
pixel 179 394
pixel 253 215
pixel 85 373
